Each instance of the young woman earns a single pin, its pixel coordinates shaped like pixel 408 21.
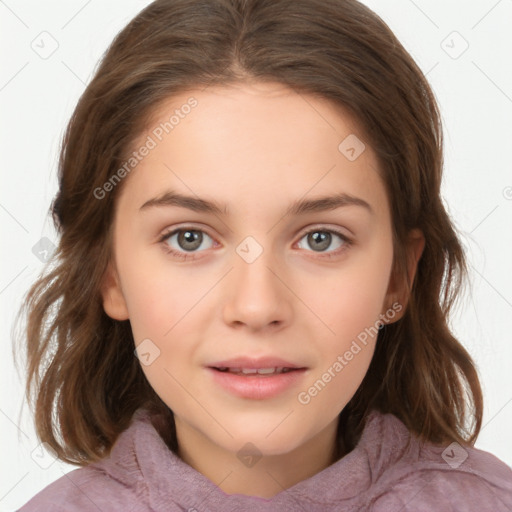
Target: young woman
pixel 248 308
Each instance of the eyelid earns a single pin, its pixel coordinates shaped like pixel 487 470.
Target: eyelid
pixel 324 227
pixel 167 232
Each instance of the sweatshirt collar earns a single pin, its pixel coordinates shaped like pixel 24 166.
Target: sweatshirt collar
pixel 142 460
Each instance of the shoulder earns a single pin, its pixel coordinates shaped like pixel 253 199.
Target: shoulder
pixel 450 478
pixel 83 489
pixel 113 483
pixel 428 490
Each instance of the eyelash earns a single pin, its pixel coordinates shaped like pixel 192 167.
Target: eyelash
pixel 190 256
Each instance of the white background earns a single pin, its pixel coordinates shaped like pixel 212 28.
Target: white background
pixel 474 91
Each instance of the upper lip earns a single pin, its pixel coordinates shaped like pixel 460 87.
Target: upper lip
pixel 255 363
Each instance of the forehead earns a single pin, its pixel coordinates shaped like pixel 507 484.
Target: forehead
pixel 247 143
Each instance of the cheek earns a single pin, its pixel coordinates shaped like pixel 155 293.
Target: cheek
pixel 353 296
pixel 160 306
pixel 347 348
pixel 329 391
pixel 165 307
pixel 157 294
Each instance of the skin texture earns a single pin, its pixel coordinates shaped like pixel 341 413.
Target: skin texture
pixel 257 148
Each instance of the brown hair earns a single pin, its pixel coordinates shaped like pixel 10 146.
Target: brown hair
pixel 84 381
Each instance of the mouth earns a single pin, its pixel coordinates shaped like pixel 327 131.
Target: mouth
pixel 257 378
pixel 256 371
pixel 256 366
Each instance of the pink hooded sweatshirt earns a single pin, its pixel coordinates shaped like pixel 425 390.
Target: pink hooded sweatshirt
pixel 380 474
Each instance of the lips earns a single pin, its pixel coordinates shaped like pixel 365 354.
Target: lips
pixel 257 378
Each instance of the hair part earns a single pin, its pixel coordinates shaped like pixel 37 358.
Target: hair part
pixel 84 381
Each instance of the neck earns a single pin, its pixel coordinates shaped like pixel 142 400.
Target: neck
pixel 262 477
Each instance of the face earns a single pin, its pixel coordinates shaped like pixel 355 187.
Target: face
pixel 256 264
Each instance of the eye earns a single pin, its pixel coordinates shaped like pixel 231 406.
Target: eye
pixel 321 239
pixel 184 243
pixel 185 240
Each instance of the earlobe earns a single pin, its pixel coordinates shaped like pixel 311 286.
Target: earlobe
pixel 114 303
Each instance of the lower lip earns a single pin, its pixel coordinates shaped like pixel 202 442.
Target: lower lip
pixel 257 387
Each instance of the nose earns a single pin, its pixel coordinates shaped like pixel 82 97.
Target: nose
pixel 258 295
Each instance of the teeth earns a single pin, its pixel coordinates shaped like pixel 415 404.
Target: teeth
pixel 264 371
pixel 254 371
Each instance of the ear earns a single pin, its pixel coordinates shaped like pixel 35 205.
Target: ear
pixel 114 303
pixel 398 289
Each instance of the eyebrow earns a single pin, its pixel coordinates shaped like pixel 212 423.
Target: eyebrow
pixel 299 207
